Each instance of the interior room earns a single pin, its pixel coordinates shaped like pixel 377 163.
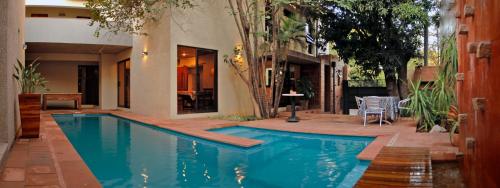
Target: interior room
pixel 196 80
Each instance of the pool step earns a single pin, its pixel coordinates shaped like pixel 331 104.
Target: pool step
pixel 399 167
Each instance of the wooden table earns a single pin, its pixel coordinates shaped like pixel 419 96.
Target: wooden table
pixel 293 117
pixel 77 97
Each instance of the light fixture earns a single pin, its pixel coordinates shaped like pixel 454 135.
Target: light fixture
pixel 380 67
pixel 145 53
pixel 183 54
pixel 25 46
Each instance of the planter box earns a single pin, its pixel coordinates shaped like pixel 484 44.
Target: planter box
pixel 426 74
pixel 29 105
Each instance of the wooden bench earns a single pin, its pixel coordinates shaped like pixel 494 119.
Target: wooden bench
pixel 77 97
pixel 399 167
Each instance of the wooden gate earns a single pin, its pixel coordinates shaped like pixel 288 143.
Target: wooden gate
pixel 478 88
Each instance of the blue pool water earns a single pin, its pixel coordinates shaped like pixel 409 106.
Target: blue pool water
pixel 124 153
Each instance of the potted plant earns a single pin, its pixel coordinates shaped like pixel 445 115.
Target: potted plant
pixel 305 86
pixel 29 81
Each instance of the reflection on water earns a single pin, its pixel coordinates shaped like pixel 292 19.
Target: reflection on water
pixel 123 153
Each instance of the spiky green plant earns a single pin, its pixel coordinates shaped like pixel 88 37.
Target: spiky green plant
pixel 421 106
pixel 28 79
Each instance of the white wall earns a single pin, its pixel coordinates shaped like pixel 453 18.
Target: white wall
pixel 57 3
pixel 11 43
pixel 62 77
pixel 154 77
pixel 210 26
pixel 56 12
pixel 71 30
pixel 150 76
pixel 109 79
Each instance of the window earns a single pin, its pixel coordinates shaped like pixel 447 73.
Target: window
pixel 196 80
pixel 39 15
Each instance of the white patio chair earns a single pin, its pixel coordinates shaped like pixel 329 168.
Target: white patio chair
pixel 359 101
pixel 360 105
pixel 402 105
pixel 374 106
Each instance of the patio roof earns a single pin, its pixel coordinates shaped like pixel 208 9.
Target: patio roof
pixel 300 58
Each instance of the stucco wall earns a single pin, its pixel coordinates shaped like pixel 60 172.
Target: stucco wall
pixel 57 3
pixel 109 78
pixel 62 77
pixel 154 77
pixel 210 26
pixel 71 30
pixel 149 75
pixel 11 43
pixel 56 12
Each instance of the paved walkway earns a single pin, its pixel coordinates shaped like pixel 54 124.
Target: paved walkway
pixel 52 161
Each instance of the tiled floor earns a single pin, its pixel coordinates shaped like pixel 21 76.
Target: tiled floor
pixel 30 164
pixel 52 161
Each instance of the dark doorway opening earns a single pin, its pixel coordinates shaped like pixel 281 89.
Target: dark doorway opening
pixel 328 88
pixel 88 84
pixel 124 84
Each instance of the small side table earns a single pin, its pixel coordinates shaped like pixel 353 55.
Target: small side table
pixel 293 117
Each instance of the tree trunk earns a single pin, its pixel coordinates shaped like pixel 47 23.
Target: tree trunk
pixel 403 81
pixel 426 45
pixel 392 85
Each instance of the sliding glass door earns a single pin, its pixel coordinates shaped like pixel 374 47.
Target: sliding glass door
pixel 196 80
pixel 124 83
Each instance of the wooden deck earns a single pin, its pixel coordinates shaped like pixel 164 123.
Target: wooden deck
pixel 399 167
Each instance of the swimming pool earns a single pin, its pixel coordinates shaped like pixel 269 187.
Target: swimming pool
pixel 124 153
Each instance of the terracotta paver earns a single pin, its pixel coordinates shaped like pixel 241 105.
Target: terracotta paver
pixel 13 174
pixel 52 161
pixel 42 179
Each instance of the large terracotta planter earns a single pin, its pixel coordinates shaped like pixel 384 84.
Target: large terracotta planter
pixel 29 105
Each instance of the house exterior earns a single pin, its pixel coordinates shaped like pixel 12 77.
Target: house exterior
pixel 11 48
pixel 175 71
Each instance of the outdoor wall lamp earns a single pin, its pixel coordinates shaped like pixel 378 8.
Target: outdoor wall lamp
pixel 145 53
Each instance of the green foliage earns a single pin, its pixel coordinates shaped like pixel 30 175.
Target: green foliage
pixel 436 102
pixel 375 32
pixel 28 79
pixel 421 106
pixel 130 15
pixel 292 29
pixel 305 86
pixel 449 58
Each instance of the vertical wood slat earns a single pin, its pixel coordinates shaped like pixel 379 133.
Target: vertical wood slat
pixel 399 166
pixel 29 105
pixel 477 94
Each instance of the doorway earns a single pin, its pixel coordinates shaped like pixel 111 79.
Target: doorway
pixel 124 84
pixel 196 80
pixel 328 88
pixel 88 84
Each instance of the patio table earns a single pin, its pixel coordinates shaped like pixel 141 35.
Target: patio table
pixel 389 102
pixel 293 117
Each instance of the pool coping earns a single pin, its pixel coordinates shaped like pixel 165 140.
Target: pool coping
pixel 368 152
pixel 66 156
